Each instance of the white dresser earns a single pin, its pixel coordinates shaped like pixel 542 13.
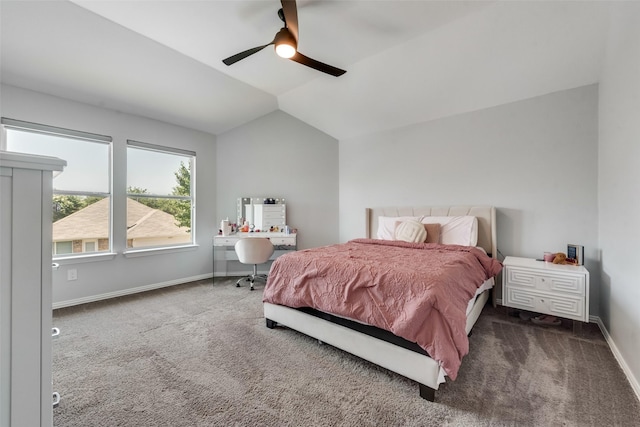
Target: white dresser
pixel 225 259
pixel 26 396
pixel 266 216
pixel 544 287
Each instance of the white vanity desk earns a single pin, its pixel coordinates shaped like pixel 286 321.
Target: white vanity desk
pixel 225 260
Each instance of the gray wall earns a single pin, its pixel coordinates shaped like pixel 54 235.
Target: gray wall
pixel 619 188
pixel 535 160
pixel 118 275
pixel 277 155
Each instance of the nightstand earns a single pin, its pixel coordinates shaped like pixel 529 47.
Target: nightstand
pixel 547 288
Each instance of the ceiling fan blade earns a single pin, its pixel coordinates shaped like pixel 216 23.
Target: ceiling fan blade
pixel 238 56
pixel 317 65
pixel 290 11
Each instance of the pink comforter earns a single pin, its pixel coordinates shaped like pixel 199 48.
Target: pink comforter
pixel 418 291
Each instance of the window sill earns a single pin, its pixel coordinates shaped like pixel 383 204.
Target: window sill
pixel 79 259
pixel 134 253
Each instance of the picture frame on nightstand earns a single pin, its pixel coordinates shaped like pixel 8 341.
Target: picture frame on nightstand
pixel 576 252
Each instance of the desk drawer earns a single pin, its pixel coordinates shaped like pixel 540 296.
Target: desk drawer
pixel 286 241
pixel 225 241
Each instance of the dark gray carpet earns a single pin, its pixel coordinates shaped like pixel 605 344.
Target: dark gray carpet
pixel 200 355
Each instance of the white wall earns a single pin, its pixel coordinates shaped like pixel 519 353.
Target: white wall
pixel 619 186
pixel 120 274
pixel 277 155
pixel 535 160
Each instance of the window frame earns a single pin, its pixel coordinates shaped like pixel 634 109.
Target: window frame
pixel 42 129
pixel 144 250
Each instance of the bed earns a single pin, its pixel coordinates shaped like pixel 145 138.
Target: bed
pixel 406 354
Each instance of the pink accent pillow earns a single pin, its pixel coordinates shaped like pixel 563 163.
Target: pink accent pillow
pixel 433 232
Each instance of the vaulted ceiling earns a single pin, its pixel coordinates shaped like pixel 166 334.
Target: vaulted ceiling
pixel 406 61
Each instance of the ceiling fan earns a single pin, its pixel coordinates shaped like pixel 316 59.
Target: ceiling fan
pixel 286 43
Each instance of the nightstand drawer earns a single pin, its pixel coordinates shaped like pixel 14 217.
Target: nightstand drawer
pixel 570 308
pixel 560 284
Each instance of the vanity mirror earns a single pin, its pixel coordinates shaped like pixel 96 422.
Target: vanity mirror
pixel 263 213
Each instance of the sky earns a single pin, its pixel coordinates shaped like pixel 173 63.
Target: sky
pixel 88 163
pixel 153 170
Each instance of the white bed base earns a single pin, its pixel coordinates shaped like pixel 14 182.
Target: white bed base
pixel 418 367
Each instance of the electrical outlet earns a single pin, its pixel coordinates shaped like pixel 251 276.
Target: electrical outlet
pixel 72 274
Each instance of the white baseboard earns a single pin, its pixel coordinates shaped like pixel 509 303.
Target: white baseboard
pixel 635 385
pixel 94 298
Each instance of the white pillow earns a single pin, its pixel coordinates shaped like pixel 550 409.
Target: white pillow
pixel 456 230
pixel 387 225
pixel 411 231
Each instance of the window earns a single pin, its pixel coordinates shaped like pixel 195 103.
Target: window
pixel 61 248
pixel 160 196
pixel 81 193
pixel 90 245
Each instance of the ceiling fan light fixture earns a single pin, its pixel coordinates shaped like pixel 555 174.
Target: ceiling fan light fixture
pixel 285 44
pixel 285 50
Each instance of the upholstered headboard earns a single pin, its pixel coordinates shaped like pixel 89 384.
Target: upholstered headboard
pixel 486 220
